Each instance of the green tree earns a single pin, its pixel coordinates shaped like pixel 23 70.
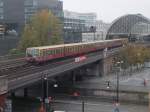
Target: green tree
pixel 43 29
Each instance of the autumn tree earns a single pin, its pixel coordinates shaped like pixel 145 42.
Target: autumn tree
pixel 133 54
pixel 43 29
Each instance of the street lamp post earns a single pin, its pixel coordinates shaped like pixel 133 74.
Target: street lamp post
pixel 45 100
pixel 117 88
pixel 82 104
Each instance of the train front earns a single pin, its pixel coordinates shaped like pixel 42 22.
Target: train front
pixel 30 55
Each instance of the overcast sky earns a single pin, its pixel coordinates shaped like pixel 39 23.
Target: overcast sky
pixel 108 10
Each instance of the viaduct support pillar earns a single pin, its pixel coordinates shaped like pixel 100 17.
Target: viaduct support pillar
pixel 93 70
pixel 3 91
pixel 106 66
pixel 25 92
pixel 2 102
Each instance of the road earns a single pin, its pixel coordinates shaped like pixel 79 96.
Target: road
pixel 70 105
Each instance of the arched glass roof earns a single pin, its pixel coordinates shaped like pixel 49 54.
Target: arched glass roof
pixel 123 26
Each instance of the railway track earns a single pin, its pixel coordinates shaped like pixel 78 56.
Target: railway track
pixel 28 69
pixel 34 69
pixel 11 64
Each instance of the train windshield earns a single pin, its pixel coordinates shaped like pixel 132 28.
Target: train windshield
pixel 32 52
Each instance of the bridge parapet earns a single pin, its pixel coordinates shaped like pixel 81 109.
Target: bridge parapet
pixel 3 85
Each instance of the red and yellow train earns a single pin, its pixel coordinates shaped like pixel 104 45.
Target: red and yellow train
pixel 46 53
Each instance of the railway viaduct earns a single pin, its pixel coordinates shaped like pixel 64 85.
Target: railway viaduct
pixel 97 63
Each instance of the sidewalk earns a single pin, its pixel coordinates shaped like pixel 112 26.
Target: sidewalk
pixel 123 76
pixel 131 83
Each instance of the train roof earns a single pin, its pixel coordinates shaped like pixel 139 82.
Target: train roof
pixel 45 47
pixel 71 44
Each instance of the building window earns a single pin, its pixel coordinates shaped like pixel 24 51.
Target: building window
pixel 1 17
pixel 1 11
pixel 30 10
pixel 35 2
pixel 31 2
pixel 1 3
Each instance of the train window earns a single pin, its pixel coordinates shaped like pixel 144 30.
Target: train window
pixel 61 50
pixel 79 48
pixel 72 49
pixel 49 52
pixel 58 51
pixel 39 52
pixel 67 49
pixel 44 52
pixel 75 49
pixel 52 51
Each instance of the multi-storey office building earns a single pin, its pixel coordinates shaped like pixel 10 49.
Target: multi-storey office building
pixel 77 23
pixel 88 18
pixel 73 29
pixel 101 28
pixel 15 13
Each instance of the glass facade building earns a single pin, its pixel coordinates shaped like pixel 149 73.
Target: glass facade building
pixel 16 13
pixel 1 10
pixel 77 23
